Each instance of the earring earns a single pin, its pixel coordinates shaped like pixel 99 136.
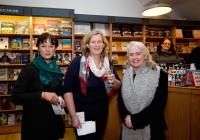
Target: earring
pixel 54 55
pixel 38 54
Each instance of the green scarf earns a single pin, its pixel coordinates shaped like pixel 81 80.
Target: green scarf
pixel 50 73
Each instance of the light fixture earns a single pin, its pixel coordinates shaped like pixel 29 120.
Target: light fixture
pixel 156 9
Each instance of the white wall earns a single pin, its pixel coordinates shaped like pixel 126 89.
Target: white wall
pixel 124 8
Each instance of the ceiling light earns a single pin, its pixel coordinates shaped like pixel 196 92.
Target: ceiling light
pixel 156 9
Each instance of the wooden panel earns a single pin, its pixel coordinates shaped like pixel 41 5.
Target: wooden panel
pixel 177 114
pixel 113 127
pixel 180 89
pixel 195 116
pixel 10 128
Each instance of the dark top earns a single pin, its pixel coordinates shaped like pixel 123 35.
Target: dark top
pixel 164 55
pixel 153 114
pixel 195 57
pixel 39 122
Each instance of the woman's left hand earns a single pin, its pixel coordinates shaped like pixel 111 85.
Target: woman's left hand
pixel 110 78
pixel 128 121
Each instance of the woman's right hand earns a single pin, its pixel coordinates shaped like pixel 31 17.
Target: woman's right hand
pixel 50 97
pixel 76 122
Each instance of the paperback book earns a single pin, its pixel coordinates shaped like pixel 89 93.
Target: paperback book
pixel 3 42
pixel 15 58
pixel 53 27
pixel 16 43
pixel 34 43
pixel 66 43
pixel 81 28
pixel 11 118
pixel 115 58
pixel 7 27
pixel 38 28
pixel 126 30
pixel 102 27
pixel 3 73
pixel 77 45
pixel 137 32
pixel 196 33
pixel 3 118
pixel 25 58
pixel 124 46
pixel 67 57
pixel 3 88
pixel 19 117
pixel 25 43
pixel 116 30
pixel 114 46
pixel 22 27
pixel 179 33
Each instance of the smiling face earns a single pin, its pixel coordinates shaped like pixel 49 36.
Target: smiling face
pixel 47 50
pixel 166 45
pixel 96 45
pixel 136 58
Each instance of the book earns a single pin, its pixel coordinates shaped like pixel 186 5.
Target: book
pixel 101 27
pixel 3 88
pixel 77 45
pixel 124 46
pixel 160 33
pixel 3 73
pixel 16 43
pixel 7 27
pixel 192 45
pixel 0 26
pixel 4 58
pixel 25 58
pixel 10 87
pixel 115 58
pixel 155 46
pixel 25 43
pixel 59 44
pixel 126 30
pixel 196 33
pixel 65 27
pixel 53 27
pixel 38 28
pixel 16 73
pixel 3 118
pixel 18 117
pixel 10 74
pixel 116 30
pixel 148 46
pixel 66 58
pixel 22 27
pixel 34 43
pixel 179 48
pixel 4 43
pixel 63 70
pixel 114 46
pixel 19 107
pixel 187 34
pixel 11 118
pixel 81 28
pixel 15 58
pixel 179 33
pixel 67 31
pixel 7 104
pixel 66 43
pixel 147 33
pixel 167 33
pixel 137 32
pixel 152 33
pixel 60 58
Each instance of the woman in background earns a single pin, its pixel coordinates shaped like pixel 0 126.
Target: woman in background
pixel 143 96
pixel 165 50
pixel 38 86
pixel 87 85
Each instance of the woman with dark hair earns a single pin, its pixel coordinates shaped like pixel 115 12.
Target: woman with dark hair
pixel 165 50
pixel 38 86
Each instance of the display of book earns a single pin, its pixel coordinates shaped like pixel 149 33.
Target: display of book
pixel 3 73
pixel 16 43
pixel 53 27
pixel 196 33
pixel 22 27
pixel 115 58
pixel 25 43
pixel 179 33
pixel 7 27
pixel 77 45
pixel 3 88
pixel 124 46
pixel 38 28
pixel 126 30
pixel 116 30
pixel 66 44
pixel 102 27
pixel 81 28
pixel 114 46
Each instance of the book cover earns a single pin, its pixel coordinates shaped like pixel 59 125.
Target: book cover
pixel 155 46
pixel 3 73
pixel 19 117
pixel 102 27
pixel 115 58
pixel 22 27
pixel 16 43
pixel 19 107
pixel 60 58
pixel 126 30
pixel 81 28
pixel 16 73
pixel 0 26
pixel 192 45
pixel 3 42
pixel 3 118
pixel 34 43
pixel 3 88
pixel 116 30
pixel 77 45
pixel 11 118
pixel 59 44
pixel 148 46
pixel 10 74
pixel 67 31
pixel 4 58
pixel 167 33
pixel 25 58
pixel 7 104
pixel 53 27
pixel 25 43
pixel 7 27
pixel 179 48
pixel 114 46
pixel 160 33
pixel 63 70
pixel 152 33
pixel 38 28
pixel 10 87
pixel 66 43
pixel 124 46
pixel 137 32
pixel 15 58
pixel 65 24
pixel 67 57
pixel 147 33
pixel 196 33
pixel 179 33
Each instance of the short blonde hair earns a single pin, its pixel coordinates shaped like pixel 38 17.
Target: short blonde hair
pixel 86 40
pixel 144 50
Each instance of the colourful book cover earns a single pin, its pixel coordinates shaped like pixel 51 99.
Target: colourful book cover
pixel 7 27
pixel 53 27
pixel 126 30
pixel 22 27
pixel 67 57
pixel 114 46
pixel 116 30
pixel 3 88
pixel 65 24
pixel 124 46
pixel 66 43
pixel 10 74
pixel 115 58
pixel 3 118
pixel 59 44
pixel 77 45
pixel 67 31
pixel 15 58
pixel 34 43
pixel 16 73
pixel 38 28
pixel 3 73
pixel 3 42
pixel 16 43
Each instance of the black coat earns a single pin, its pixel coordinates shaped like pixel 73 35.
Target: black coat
pixel 39 122
pixel 153 114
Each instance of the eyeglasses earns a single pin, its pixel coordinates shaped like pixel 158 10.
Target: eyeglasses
pixel 98 42
pixel 167 44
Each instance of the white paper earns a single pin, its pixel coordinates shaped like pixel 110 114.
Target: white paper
pixel 81 116
pixel 57 108
pixel 87 128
